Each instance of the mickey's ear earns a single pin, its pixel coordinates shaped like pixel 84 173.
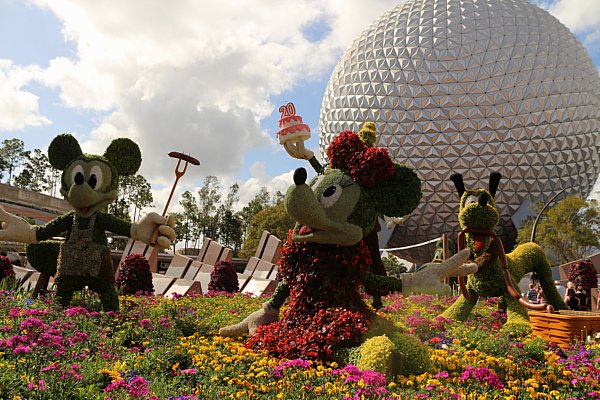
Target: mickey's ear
pixel 125 155
pixel 62 150
pixel 399 195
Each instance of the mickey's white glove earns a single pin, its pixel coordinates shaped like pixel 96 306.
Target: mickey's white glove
pixel 15 229
pixel 154 229
pixel 429 278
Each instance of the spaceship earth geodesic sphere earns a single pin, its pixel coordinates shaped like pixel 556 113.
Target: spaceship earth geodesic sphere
pixel 471 86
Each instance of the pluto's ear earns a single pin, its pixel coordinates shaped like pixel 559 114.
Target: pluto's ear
pixel 397 196
pixel 494 182
pixel 62 150
pixel 125 155
pixel 458 183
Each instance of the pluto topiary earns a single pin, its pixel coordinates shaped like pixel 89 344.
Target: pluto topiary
pixel 224 278
pixel 498 273
pixel 134 275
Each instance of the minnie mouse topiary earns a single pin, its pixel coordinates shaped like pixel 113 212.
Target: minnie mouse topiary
pixel 323 264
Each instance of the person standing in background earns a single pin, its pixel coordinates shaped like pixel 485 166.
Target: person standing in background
pixel 571 297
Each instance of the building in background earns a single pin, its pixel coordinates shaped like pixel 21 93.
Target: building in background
pixel 471 86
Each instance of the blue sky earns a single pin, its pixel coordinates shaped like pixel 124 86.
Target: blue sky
pixel 204 78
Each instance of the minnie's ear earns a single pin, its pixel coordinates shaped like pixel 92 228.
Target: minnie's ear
pixel 398 195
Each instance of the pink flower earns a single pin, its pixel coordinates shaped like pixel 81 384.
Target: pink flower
pixel 76 311
pixel 22 349
pixel 145 322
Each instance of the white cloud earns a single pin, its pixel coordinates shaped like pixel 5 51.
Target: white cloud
pixel 195 77
pixel 582 17
pixel 19 108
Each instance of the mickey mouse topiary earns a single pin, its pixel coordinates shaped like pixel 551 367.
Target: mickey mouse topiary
pixel 89 183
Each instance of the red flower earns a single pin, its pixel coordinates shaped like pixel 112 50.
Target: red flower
pixel 366 165
pixel 325 309
pixel 583 273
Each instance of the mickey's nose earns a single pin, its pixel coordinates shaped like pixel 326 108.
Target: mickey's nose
pixel 300 176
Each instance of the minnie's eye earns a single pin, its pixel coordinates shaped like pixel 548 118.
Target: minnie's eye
pixel 95 179
pixel 331 195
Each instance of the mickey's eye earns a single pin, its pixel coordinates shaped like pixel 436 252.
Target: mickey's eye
pixel 331 195
pixel 95 179
pixel 77 175
pixel 470 200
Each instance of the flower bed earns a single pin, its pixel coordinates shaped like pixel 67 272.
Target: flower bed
pixel 157 348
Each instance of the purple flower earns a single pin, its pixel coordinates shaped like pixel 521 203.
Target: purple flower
pixel 482 374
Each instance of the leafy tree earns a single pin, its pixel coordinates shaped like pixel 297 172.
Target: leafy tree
pixel 272 218
pixel 393 266
pixel 120 209
pixel 187 222
pixel 12 153
pixel 138 193
pixel 231 230
pixel 180 228
pixel 230 225
pixel 209 196
pixel 568 231
pixel 133 191
pixel 257 204
pixel 35 175
pixel 54 182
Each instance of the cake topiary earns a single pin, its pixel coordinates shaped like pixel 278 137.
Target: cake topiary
pixel 224 278
pixel 134 275
pixel 42 256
